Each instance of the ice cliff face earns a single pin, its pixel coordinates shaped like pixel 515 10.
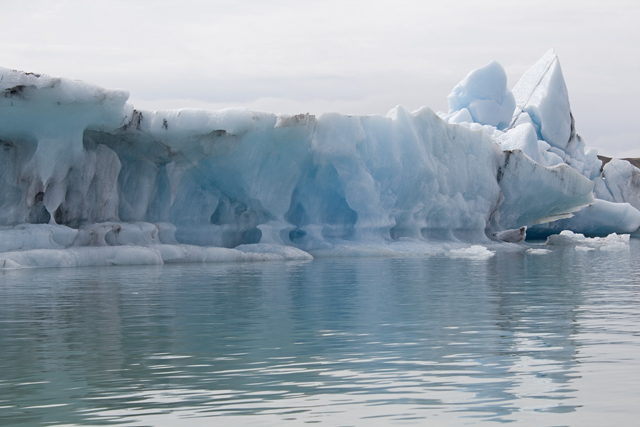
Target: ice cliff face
pixel 98 173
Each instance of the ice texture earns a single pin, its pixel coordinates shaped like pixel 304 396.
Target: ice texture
pixel 89 180
pixel 42 123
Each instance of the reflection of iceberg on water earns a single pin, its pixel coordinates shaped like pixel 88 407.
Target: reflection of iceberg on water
pixel 87 179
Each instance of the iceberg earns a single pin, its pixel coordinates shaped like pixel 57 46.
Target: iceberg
pixel 87 179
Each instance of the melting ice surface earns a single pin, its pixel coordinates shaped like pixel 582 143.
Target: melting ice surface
pixel 89 180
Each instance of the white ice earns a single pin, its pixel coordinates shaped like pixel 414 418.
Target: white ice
pixel 475 252
pixel 538 251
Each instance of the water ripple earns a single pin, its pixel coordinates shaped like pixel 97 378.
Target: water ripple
pixel 539 340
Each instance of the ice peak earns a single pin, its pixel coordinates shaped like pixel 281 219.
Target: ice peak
pixel 542 94
pixel 484 93
pixel 530 80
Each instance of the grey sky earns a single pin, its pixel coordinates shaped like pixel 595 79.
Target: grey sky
pixel 360 57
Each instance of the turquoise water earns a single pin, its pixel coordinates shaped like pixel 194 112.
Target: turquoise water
pixel 542 339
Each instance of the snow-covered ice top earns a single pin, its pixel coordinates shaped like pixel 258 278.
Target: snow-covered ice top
pixel 81 168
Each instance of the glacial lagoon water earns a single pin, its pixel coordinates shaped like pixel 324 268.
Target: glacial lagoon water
pixel 548 340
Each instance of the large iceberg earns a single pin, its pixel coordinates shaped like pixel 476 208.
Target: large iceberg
pixel 89 180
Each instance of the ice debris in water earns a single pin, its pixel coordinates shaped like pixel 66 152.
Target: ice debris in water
pixel 538 251
pixel 475 252
pixel 89 180
pixel 569 238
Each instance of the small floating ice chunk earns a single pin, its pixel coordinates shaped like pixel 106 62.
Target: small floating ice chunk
pixel 584 249
pixel 614 242
pixel 568 238
pixel 475 252
pixel 276 252
pixel 533 251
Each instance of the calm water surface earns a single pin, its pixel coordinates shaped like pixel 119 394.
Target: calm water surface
pixel 538 339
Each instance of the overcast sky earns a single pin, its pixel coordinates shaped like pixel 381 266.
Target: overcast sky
pixel 356 57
